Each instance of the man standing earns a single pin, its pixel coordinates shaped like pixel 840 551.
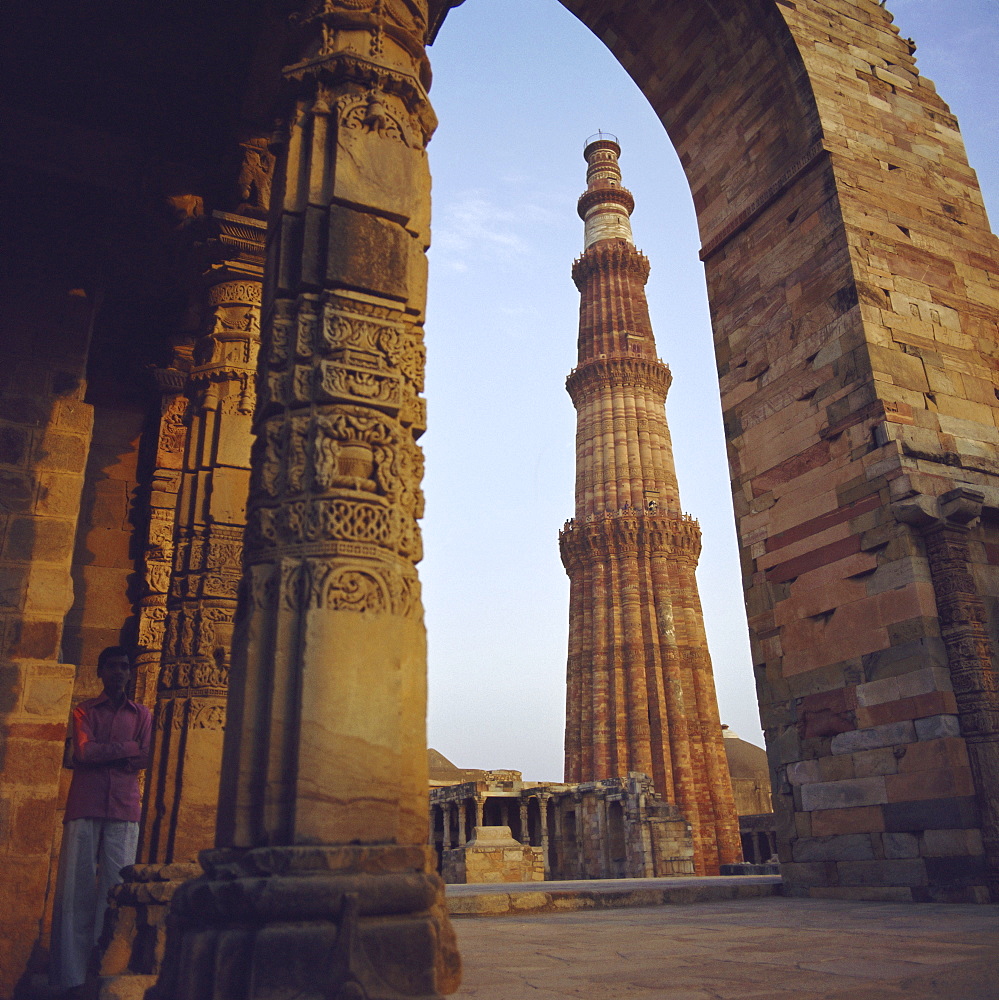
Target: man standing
pixel 110 745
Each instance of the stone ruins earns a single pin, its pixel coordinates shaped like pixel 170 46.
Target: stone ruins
pixel 854 299
pixel 615 828
pixel 612 828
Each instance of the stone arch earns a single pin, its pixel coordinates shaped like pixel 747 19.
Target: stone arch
pixel 846 268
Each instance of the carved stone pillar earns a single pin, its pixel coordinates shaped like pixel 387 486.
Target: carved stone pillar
pixel 321 882
pixel 158 559
pixel 186 619
pixel 525 833
pixel 179 818
pixel 945 523
pixel 480 805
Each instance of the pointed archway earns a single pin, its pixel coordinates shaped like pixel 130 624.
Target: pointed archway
pixel 846 251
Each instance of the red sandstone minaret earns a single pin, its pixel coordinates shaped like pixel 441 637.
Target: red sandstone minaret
pixel 641 694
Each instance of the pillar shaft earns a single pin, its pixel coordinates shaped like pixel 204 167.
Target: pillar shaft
pixel 324 780
pixel 171 438
pixel 971 657
pixel 189 716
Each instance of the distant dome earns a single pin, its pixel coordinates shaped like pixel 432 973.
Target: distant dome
pixel 440 767
pixel 443 772
pixel 744 759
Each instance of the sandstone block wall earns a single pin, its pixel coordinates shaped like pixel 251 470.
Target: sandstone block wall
pixel 44 436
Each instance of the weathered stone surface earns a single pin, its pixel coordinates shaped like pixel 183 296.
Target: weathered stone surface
pixel 843 794
pixel 41 480
pixel 900 845
pixel 937 727
pixel 893 734
pixel 851 847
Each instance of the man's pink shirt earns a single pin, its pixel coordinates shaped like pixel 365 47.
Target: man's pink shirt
pixel 110 747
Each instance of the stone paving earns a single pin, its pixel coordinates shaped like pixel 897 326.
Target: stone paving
pixel 773 948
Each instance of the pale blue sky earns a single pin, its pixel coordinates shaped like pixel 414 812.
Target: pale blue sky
pixel 519 84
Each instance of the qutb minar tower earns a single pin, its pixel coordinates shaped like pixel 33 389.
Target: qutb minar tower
pixel 641 694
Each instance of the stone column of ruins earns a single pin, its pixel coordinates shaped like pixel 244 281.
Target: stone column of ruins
pixel 179 818
pixel 640 688
pixel 945 523
pixel 321 882
pixel 185 621
pixel 157 559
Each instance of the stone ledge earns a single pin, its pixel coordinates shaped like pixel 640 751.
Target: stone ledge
pixel 605 894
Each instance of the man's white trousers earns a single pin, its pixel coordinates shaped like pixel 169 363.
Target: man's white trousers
pixel 94 851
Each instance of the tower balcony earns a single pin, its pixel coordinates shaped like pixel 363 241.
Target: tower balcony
pixel 629 529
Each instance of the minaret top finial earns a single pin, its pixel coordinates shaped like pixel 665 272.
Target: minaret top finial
pixel 606 205
pixel 600 136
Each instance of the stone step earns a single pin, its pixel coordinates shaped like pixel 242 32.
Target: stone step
pixel 599 894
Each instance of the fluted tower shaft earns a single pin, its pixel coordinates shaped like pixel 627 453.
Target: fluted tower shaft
pixel 640 689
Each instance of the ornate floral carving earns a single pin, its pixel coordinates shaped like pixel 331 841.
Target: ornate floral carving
pixel 301 385
pixel 309 522
pixel 157 576
pixel 372 342
pixel 355 590
pixel 371 115
pixel 336 586
pixel 307 325
pixel 194 674
pixel 238 318
pixel 207 715
pixel 152 627
pixel 240 292
pixel 188 713
pixel 338 382
pixel 298 449
pixel 173 432
pixel 281 326
pixel 270 452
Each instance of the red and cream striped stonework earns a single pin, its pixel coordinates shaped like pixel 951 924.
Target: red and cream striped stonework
pixel 640 691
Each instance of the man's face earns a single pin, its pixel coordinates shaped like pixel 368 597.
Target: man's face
pixel 115 673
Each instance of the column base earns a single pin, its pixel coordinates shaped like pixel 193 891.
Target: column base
pixel 133 940
pixel 329 923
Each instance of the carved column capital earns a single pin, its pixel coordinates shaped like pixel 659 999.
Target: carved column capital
pixel 957 509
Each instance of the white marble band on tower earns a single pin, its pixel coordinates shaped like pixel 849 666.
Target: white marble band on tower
pixel 606 206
